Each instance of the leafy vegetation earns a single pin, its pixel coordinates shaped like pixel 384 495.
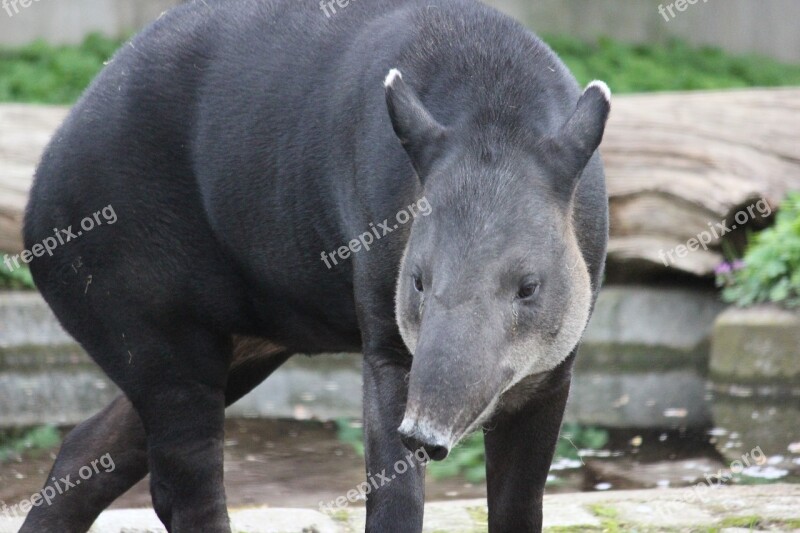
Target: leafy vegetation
pixel 675 66
pixel 16 279
pixel 770 269
pixel 16 442
pixel 43 73
pixel 468 459
pixel 46 74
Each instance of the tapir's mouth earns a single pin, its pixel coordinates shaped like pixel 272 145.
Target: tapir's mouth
pixel 434 439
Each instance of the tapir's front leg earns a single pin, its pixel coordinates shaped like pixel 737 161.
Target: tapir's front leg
pixel 519 450
pixel 396 505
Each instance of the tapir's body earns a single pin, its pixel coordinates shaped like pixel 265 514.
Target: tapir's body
pixel 239 142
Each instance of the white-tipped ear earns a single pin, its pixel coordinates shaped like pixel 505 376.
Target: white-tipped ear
pixel 574 145
pixel 601 85
pixel 393 75
pixel 420 134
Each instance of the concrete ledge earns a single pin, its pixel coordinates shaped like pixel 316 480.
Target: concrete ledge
pixel 26 321
pixel 669 318
pixel 756 345
pixel 645 345
pixel 772 507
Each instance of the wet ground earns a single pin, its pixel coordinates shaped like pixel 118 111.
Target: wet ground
pixel 290 463
pixel 280 463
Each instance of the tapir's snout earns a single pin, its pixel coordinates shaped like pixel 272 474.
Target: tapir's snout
pixel 456 376
pixel 416 437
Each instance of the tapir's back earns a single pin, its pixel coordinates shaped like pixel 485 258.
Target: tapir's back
pixel 249 132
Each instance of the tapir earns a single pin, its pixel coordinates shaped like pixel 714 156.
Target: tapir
pixel 248 148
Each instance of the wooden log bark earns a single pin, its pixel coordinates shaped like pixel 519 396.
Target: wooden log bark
pixel 679 162
pixel 675 163
pixel 24 132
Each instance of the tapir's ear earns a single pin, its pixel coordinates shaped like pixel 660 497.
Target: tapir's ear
pixel 419 133
pixel 580 137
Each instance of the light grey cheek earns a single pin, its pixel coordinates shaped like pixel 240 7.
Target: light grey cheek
pixel 408 325
pixel 409 331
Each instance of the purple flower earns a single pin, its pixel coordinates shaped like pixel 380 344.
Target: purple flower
pixel 723 268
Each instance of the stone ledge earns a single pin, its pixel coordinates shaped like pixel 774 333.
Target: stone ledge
pixel 26 321
pixel 756 345
pixel 776 507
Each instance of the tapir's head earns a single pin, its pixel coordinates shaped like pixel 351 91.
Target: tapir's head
pixel 493 286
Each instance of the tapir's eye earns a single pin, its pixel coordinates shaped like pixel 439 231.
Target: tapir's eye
pixel 418 284
pixel 528 290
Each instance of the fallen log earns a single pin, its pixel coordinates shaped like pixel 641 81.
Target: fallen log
pixel 680 164
pixel 677 164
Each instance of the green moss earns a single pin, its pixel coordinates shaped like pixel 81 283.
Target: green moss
pixel 340 516
pixel 571 529
pixel 750 522
pixel 480 518
pixel 608 518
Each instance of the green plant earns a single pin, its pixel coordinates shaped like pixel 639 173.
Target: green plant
pixel 15 442
pixel 469 458
pixel 42 73
pixel 675 66
pixel 16 279
pixel 46 74
pixel 770 269
pixel 575 437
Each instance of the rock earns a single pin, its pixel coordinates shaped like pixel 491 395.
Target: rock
pixel 756 345
pixel 660 399
pixel 763 429
pixel 775 507
pixel 643 358
pixel 641 316
pixel 259 520
pixel 26 321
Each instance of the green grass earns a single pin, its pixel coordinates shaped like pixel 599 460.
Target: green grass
pixel 42 73
pixel 672 67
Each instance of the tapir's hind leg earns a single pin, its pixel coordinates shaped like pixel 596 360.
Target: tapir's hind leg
pixel 118 432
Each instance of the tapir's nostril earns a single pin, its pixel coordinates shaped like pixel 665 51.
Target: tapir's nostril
pixel 414 443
